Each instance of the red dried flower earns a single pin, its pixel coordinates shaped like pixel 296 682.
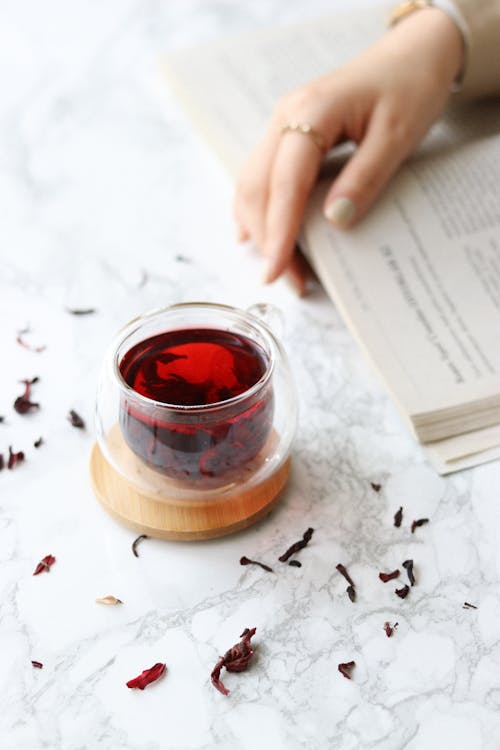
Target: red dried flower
pixel 345 669
pixel 2 461
pixel 234 660
pixel 403 592
pixel 417 523
pixel 398 517
pixel 376 487
pixel 147 677
pixel 22 404
pixel 75 419
pixel 14 458
pixel 389 629
pixel 45 564
pixel 297 546
pixel 37 664
pixel 384 577
pixel 246 561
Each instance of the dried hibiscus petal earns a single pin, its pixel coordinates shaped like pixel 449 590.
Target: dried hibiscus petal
pixel 351 593
pixel 2 461
pixel 345 669
pixel 375 487
pixel 398 517
pixel 342 570
pixel 38 442
pixel 389 629
pixel 306 538
pixel 384 577
pixel 108 600
pixel 236 659
pixel 20 340
pixel 403 592
pixel 75 420
pixel 14 458
pixel 408 566
pixel 467 605
pixel 44 564
pixel 22 404
pixel 417 523
pixel 246 561
pixel 295 563
pixel 147 677
pixel 136 542
pixel 37 664
pixel 80 311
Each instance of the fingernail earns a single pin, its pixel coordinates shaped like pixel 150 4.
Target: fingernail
pixel 341 211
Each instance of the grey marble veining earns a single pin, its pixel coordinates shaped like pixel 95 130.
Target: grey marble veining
pixel 109 200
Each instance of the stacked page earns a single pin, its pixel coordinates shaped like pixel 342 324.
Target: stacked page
pixel 418 281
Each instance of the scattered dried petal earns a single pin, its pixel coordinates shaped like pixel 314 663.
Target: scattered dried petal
pixel 345 669
pixel 384 577
pixel 2 461
pixel 37 664
pixel 398 517
pixel 20 340
pixel 38 442
pixel 2 419
pixel 22 404
pixel 81 311
pixel 108 600
pixel 351 593
pixel 419 522
pixel 376 487
pixel 408 566
pixel 136 542
pixel 246 561
pixel 147 677
pixel 14 458
pixel 236 659
pixel 342 570
pixel 306 538
pixel 466 605
pixel 403 593
pixel 45 564
pixel 389 629
pixel 75 419
pixel 295 563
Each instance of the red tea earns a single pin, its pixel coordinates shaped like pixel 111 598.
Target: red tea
pixel 204 368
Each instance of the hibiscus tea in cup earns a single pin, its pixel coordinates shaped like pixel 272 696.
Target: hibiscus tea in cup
pixel 199 401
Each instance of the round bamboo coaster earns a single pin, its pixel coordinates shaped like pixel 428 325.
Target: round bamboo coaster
pixel 158 514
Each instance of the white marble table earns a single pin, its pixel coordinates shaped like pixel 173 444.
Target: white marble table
pixel 103 185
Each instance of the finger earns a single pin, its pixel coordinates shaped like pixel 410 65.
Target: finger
pixel 294 172
pixel 385 145
pixel 296 274
pixel 253 188
pixel 242 234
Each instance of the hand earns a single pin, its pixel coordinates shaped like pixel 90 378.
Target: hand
pixel 385 100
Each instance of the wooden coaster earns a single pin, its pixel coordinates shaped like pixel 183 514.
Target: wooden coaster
pixel 158 514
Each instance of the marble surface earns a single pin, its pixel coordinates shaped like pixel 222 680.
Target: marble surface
pixel 103 186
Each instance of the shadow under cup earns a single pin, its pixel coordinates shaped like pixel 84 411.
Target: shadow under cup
pixel 197 403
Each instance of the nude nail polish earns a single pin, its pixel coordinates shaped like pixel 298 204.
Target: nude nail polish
pixel 341 211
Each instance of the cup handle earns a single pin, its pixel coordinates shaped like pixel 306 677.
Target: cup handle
pixel 270 315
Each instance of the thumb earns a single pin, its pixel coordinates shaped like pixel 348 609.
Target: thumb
pixel 385 145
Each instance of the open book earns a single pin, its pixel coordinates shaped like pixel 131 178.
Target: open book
pixel 418 281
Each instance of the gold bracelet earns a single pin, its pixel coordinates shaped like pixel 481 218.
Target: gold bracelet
pixel 405 9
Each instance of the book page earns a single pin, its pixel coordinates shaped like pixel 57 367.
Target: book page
pixel 419 283
pixel 230 87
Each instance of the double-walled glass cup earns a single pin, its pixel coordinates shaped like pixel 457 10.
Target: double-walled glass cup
pixel 194 450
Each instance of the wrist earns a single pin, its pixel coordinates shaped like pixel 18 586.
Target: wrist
pixel 438 34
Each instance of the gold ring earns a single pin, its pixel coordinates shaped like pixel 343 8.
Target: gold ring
pixel 305 128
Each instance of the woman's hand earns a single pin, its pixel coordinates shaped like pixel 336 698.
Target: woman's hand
pixel 385 100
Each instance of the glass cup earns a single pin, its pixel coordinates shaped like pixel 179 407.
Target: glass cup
pixel 192 447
